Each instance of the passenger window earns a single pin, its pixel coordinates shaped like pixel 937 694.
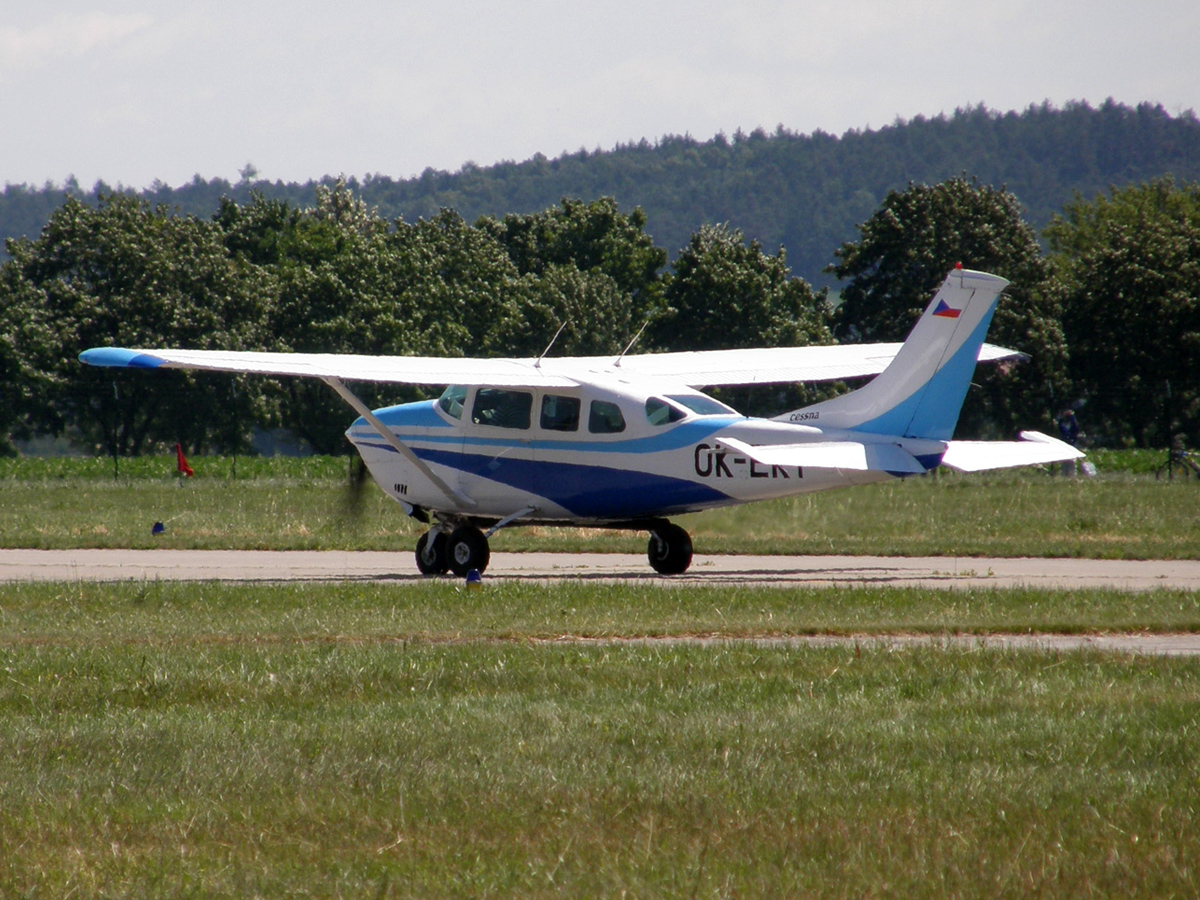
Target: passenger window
pixel 605 418
pixel 659 412
pixel 501 408
pixel 452 400
pixel 560 413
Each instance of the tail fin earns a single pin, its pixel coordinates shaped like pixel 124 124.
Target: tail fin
pixel 920 394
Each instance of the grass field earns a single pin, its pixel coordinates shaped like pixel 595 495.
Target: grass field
pixel 344 740
pixel 302 504
pixel 422 740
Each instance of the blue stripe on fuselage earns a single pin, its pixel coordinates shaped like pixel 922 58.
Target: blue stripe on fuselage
pixel 590 492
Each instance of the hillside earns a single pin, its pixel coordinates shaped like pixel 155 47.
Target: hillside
pixel 804 192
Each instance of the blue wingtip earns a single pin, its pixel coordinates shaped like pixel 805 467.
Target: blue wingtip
pixel 119 357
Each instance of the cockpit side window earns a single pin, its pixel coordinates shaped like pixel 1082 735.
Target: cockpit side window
pixel 452 400
pixel 660 412
pixel 605 418
pixel 560 413
pixel 502 408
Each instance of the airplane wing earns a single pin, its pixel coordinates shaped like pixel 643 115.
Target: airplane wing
pixel 1033 449
pixel 431 370
pixel 703 368
pixel 769 365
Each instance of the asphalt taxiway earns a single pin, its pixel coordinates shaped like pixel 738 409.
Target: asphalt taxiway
pixel 779 571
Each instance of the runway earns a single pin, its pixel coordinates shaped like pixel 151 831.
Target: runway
pixel 778 571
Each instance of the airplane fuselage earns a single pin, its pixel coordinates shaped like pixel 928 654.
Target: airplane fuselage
pixel 586 455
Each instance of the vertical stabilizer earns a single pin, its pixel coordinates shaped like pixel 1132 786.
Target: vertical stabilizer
pixel 920 394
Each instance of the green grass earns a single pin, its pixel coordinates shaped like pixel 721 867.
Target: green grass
pixel 440 610
pixel 346 741
pixel 302 504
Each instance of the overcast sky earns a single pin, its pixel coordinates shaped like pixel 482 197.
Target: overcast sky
pixel 136 91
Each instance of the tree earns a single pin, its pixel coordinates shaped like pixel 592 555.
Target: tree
pixel 595 315
pixel 904 252
pixel 124 275
pixel 24 339
pixel 1128 269
pixel 724 294
pixel 460 283
pixel 587 267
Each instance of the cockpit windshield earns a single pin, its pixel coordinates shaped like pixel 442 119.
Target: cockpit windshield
pixel 660 412
pixel 452 400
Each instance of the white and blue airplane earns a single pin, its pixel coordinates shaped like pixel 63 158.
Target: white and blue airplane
pixel 626 442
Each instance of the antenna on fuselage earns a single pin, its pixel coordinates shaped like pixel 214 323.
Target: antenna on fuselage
pixel 629 346
pixel 537 363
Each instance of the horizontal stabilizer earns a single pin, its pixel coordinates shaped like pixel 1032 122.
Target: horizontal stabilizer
pixel 846 455
pixel 1033 449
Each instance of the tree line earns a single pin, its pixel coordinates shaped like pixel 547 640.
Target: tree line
pixel 1109 314
pixel 803 192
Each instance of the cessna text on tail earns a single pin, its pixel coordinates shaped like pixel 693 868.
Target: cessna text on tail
pixel 631 441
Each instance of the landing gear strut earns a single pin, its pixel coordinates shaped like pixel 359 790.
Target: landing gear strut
pixel 431 553
pixel 670 549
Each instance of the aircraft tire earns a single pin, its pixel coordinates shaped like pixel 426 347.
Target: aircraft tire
pixel 431 555
pixel 467 549
pixel 670 550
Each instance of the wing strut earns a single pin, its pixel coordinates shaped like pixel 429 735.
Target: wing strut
pixel 394 442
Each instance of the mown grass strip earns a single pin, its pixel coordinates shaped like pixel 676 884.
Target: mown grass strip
pixel 442 610
pixel 195 769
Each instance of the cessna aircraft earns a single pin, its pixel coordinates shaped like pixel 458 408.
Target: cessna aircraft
pixel 626 442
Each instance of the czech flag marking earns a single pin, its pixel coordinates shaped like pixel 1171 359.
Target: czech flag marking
pixel 946 312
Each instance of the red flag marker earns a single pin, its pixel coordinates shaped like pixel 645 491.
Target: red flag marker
pixel 181 462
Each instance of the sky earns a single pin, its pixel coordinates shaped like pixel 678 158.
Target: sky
pixel 139 91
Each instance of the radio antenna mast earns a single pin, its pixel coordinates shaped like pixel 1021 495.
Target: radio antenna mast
pixel 629 346
pixel 537 363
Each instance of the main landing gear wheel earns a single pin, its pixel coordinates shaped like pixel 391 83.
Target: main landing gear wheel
pixel 467 549
pixel 670 550
pixel 431 553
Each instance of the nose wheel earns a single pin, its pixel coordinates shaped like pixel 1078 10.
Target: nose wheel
pixel 670 549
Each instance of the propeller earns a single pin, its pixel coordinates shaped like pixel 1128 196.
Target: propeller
pixel 355 484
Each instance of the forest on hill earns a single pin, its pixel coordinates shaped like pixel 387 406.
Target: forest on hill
pixel 805 193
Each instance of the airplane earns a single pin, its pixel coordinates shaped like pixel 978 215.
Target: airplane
pixel 628 441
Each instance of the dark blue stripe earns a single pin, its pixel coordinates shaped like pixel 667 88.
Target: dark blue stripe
pixel 589 492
